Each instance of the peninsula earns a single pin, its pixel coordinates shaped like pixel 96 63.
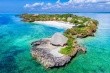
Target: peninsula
pixel 60 48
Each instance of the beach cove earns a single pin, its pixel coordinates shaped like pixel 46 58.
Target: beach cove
pixel 18 56
pixel 56 24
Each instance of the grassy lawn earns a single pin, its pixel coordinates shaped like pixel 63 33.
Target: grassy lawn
pixel 69 48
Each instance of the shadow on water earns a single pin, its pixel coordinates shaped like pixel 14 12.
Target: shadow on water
pixel 8 62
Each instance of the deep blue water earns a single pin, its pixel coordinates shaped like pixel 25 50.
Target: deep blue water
pixel 16 36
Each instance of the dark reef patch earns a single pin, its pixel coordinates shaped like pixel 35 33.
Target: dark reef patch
pixel 8 62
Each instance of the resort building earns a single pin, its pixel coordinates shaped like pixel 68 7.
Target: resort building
pixel 59 39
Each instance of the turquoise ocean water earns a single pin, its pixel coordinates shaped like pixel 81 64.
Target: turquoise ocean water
pixel 16 36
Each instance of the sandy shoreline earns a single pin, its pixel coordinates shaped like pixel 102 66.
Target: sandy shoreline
pixel 57 24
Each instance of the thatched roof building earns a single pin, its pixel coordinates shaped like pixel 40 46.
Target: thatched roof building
pixel 58 39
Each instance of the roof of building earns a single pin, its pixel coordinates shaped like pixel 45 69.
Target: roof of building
pixel 58 39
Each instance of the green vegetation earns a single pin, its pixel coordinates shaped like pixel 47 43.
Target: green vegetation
pixel 82 32
pixel 84 26
pixel 69 48
pixel 80 21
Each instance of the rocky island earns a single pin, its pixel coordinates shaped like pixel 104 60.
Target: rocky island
pixel 60 48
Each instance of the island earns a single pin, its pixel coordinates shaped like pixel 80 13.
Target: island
pixel 60 48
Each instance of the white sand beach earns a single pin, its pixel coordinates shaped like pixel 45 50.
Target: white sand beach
pixel 57 24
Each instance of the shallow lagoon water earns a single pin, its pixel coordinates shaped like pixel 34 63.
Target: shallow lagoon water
pixel 16 36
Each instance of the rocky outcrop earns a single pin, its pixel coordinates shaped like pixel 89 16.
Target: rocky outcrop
pixel 46 58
